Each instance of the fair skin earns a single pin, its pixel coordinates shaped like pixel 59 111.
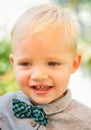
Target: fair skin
pixel 43 65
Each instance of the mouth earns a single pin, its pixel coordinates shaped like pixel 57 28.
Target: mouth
pixel 41 87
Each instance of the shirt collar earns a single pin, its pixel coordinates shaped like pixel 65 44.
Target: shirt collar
pixel 59 105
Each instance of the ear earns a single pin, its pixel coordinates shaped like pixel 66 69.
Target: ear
pixel 12 59
pixel 76 62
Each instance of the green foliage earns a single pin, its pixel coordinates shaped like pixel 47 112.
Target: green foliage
pixel 5 50
pixel 7 87
pixel 72 2
pixel 8 83
pixel 86 56
pixel 7 79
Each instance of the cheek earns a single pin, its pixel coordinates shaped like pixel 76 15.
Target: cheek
pixel 21 77
pixel 62 78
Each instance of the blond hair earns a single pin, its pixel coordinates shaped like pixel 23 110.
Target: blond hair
pixel 41 17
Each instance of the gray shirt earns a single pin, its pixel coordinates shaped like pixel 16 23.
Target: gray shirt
pixel 63 114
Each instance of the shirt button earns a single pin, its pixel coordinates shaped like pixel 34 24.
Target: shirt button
pixel 33 124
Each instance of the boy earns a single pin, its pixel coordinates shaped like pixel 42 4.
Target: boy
pixel 44 44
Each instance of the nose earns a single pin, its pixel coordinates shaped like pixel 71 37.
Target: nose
pixel 39 73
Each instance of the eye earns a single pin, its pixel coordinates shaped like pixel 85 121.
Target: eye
pixel 53 63
pixel 25 64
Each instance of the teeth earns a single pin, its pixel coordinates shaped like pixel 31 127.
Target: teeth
pixel 41 87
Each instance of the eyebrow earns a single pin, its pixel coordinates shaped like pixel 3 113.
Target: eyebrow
pixel 21 59
pixel 55 58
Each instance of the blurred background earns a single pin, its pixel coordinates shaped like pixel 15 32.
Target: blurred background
pixel 80 82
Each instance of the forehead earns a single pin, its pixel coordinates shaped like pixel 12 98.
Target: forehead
pixel 46 44
pixel 51 37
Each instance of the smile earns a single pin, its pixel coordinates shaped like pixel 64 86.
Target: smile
pixel 41 88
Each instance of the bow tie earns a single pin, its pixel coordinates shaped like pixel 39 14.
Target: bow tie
pixel 22 110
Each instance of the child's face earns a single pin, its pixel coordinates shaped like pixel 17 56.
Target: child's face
pixel 43 65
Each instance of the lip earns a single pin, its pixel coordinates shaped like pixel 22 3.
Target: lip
pixel 41 89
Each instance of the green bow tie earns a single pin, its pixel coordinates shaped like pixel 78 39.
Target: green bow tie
pixel 22 110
